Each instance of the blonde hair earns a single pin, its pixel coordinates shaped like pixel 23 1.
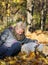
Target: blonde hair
pixel 21 25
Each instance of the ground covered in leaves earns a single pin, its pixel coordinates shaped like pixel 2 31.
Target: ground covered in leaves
pixel 41 36
pixel 22 59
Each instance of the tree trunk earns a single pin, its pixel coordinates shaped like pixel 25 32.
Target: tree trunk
pixel 29 7
pixel 30 11
pixel 43 16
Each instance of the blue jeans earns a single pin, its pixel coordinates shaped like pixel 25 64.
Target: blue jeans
pixel 10 51
pixel 14 49
pixel 3 50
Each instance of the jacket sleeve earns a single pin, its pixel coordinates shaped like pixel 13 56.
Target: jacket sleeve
pixel 43 49
pixel 4 35
pixel 40 47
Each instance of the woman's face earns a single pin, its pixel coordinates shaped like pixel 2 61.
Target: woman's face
pixel 19 33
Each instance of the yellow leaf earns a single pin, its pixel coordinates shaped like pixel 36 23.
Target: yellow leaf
pixel 12 62
pixel 3 3
pixel 8 11
pixel 3 63
pixel 18 1
pixel 8 5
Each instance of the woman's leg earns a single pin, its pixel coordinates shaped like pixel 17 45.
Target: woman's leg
pixel 3 50
pixel 13 50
